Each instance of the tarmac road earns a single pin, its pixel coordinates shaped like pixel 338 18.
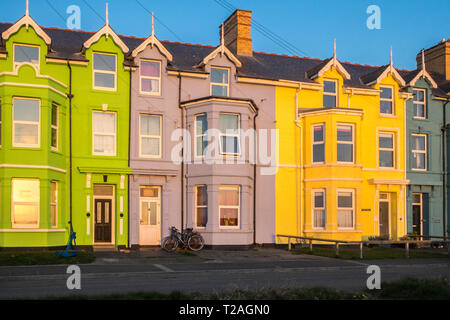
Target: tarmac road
pixel 109 276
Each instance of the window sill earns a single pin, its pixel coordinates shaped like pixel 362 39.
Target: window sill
pixel 32 230
pixel 388 116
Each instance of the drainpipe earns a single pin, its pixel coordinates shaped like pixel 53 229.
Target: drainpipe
pixel 129 161
pixel 182 151
pixel 301 162
pixel 444 171
pixel 254 176
pixel 70 96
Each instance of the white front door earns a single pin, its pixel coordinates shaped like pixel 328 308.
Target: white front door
pixel 150 216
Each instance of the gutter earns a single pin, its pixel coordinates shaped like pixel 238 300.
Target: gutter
pixel 182 151
pixel 129 163
pixel 70 96
pixel 444 171
pixel 300 232
pixel 254 176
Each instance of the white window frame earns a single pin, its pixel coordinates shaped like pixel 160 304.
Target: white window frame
pixel 414 151
pixel 197 206
pixel 238 207
pixel 314 208
pixel 424 103
pixel 346 142
pixel 104 134
pixel 238 135
pixel 150 136
pixel 335 94
pixel 394 144
pixel 391 100
pixel 227 85
pixel 54 127
pixel 149 78
pixel 94 71
pixel 22 145
pixel 54 204
pixel 197 135
pixel 13 203
pixel 318 142
pixel 352 191
pixel 26 45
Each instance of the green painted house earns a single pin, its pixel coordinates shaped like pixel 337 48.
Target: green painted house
pixel 34 159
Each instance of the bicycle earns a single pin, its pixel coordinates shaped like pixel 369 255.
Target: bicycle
pixel 187 239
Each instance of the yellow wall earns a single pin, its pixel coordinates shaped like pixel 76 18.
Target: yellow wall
pixel 294 185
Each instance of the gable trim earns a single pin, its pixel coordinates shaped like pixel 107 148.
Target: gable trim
pixel 152 41
pixel 106 31
pixel 27 21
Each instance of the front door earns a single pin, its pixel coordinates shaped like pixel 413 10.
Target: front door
pixel 384 214
pixel 150 216
pixel 417 213
pixel 103 226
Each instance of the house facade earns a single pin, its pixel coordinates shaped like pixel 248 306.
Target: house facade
pixel 125 137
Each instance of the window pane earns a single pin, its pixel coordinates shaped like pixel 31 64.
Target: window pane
pixel 104 62
pixel 318 133
pixel 229 196
pixel 419 143
pixel 54 115
pixel 149 192
pixel 386 142
pixel 319 218
pixel 103 190
pixel 228 122
pixel 329 101
pixel 344 133
pixel 150 125
pixel 386 93
pixel 345 200
pixel 201 124
pixel 416 198
pixel 345 218
pixel 145 213
pixel 220 91
pixel 104 122
pixel 150 85
pixel 318 200
pixel 26 214
pixel 230 144
pixel 319 153
pixel 345 152
pixel 228 217
pixel 25 190
pixel 104 144
pixel 26 54
pixel 386 107
pixel 419 110
pixel 329 86
pixel 53 192
pixel 386 159
pixel 53 214
pixel 150 69
pixel 150 146
pixel 26 134
pixel 418 95
pixel 202 143
pixel 219 75
pixel 418 161
pixel 26 110
pixel 202 196
pixel 202 217
pixel 54 138
pixel 104 80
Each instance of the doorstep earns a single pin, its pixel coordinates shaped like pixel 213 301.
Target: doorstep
pixel 104 248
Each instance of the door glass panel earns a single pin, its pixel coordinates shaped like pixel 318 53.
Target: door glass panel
pixel 150 192
pixel 99 212
pixel 144 213
pixel 102 190
pixel 106 212
pixel 153 214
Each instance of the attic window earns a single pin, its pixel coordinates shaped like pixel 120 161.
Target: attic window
pixel 104 71
pixel 219 82
pixel 329 93
pixel 26 54
pixel 150 73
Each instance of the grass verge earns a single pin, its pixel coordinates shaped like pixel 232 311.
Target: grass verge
pixel 42 258
pixel 370 253
pixel 408 288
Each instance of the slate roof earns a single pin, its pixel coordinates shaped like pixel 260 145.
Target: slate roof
pixel 67 44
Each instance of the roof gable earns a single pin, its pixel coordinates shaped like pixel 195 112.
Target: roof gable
pixel 379 74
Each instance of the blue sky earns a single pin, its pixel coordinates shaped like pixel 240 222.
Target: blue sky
pixel 308 27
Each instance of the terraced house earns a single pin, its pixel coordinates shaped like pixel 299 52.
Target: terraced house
pixel 114 133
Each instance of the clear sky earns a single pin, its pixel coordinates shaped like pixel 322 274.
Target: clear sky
pixel 299 27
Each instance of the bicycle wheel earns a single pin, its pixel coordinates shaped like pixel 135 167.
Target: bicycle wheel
pixel 169 244
pixel 196 243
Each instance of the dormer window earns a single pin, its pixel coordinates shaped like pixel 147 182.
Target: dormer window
pixel 419 104
pixel 104 71
pixel 329 93
pixel 150 73
pixel 25 53
pixel 386 101
pixel 219 82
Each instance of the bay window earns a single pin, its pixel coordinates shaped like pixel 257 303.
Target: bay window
pixel 319 206
pixel 229 206
pixel 345 143
pixel 26 122
pixel 201 206
pixel 201 138
pixel 25 203
pixel 229 134
pixel 345 209
pixel 318 140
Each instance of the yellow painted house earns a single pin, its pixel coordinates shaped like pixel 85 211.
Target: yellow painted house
pixel 342 140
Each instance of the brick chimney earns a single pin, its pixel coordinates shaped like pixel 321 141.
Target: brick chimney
pixel 437 58
pixel 237 32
